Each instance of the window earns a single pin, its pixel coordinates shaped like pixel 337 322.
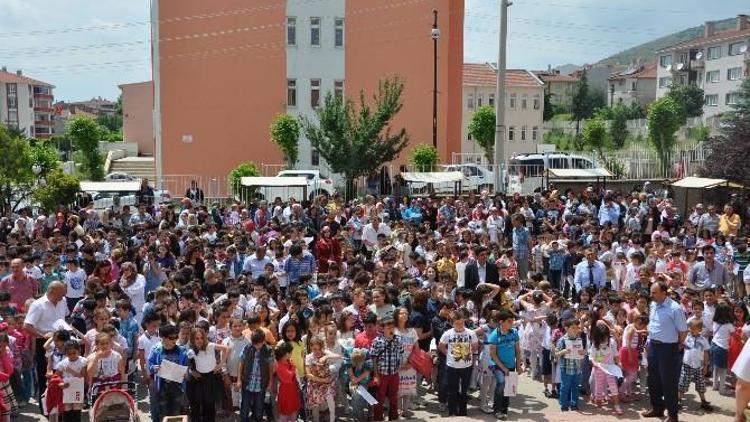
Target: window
pixel 712 100
pixel 634 85
pixel 665 61
pixel 523 133
pixel 479 100
pixel 712 76
pixel 12 89
pixel 491 100
pixel 665 82
pixel 315 32
pixel 338 32
pixel 315 157
pixel 713 53
pixel 534 133
pixel 732 98
pixel 734 73
pixel 468 136
pixel 512 101
pixel 12 102
pixel 291 30
pixel 314 93
pixel 523 101
pixel 511 133
pixel 537 101
pixel 735 49
pixel 13 116
pixel 338 89
pixel 470 101
pixel 291 93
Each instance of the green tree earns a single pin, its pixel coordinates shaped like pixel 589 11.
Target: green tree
pixel 285 131
pixel 728 152
pixel 664 119
pixel 85 134
pixel 16 176
pixel 580 106
pixel 424 158
pixel 59 189
pixel 596 99
pixel 549 110
pixel 356 142
pixel 618 128
pixel 689 97
pixel 246 169
pixel 595 135
pixel 482 130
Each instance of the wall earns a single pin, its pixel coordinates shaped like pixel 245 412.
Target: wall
pixel 137 116
pixel 25 113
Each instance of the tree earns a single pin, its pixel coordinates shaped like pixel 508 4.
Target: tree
pixel 285 133
pixel 15 169
pixel 595 134
pixel 595 100
pixel 580 103
pixel 618 128
pixel 85 134
pixel 356 142
pixel 690 97
pixel 424 158
pixel 59 189
pixel 246 169
pixel 664 118
pixel 728 152
pixel 482 130
pixel 549 111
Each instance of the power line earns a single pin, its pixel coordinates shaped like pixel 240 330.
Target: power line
pixel 571 25
pixel 612 9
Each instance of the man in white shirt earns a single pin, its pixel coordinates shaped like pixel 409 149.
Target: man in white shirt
pixel 256 263
pixel 371 231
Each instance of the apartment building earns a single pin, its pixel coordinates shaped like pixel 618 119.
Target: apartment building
pixel 560 88
pixel 524 112
pixel 718 62
pixel 224 69
pixel 635 85
pixel 26 104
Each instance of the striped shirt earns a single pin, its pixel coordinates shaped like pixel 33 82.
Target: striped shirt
pixel 388 353
pixel 295 268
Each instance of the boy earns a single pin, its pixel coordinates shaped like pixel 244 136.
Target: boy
pixel 128 327
pixel 236 342
pixel 695 362
pixel 255 373
pixel 146 343
pixel 570 351
pixel 6 309
pixel 75 280
pixel 72 366
pixel 387 353
pixel 170 395
pixel 556 260
pixel 440 324
pixel 458 344
pixel 505 352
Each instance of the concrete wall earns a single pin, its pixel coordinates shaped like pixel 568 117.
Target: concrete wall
pixel 137 116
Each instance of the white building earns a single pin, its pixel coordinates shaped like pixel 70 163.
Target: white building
pixel 635 85
pixel 717 62
pixel 524 112
pixel 26 104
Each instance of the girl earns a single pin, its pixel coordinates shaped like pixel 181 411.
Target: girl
pixel 723 325
pixel 321 387
pixel 334 347
pixel 603 351
pixel 630 355
pixel 204 385
pixel 72 366
pixel 292 333
pixel 288 404
pixel 105 364
pixel 8 402
pixel 359 375
pixel 346 331
pixel 407 388
pixel 101 318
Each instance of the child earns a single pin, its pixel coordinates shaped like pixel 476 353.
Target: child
pixel 487 385
pixel 204 386
pixel 321 385
pixel 505 352
pixel 723 325
pixel 359 375
pixel 24 347
pixel 630 354
pixel 101 318
pixel 170 395
pixel 129 328
pixel 459 345
pixel 54 349
pixel 695 362
pixel 556 258
pixel 236 343
pixel 288 404
pixel 255 372
pixel 8 402
pixel 547 362
pixel 146 343
pixel 105 364
pixel 72 366
pixel 387 353
pixel 603 351
pixel 570 351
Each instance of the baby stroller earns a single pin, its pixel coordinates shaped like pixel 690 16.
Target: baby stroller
pixel 113 402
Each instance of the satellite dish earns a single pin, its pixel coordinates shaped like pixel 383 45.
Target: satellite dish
pixel 698 55
pixel 668 68
pixel 743 49
pixel 680 66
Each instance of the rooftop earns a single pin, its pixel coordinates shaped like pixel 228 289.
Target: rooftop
pixel 11 77
pixel 642 72
pixel 742 30
pixel 484 74
pixel 552 76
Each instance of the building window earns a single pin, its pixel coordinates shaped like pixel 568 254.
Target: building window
pixel 338 89
pixel 713 53
pixel 12 102
pixel 491 100
pixel 470 101
pixel 511 133
pixel 479 100
pixel 735 49
pixel 732 98
pixel 314 93
pixel 314 157
pixel 665 82
pixel 512 101
pixel 315 32
pixel 665 61
pixel 523 101
pixel 12 89
pixel 734 73
pixel 338 32
pixel 12 116
pixel 468 136
pixel 291 30
pixel 537 101
pixel 712 100
pixel 712 76
pixel 534 133
pixel 291 93
pixel 523 133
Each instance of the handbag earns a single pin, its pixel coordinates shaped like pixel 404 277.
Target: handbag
pixel 421 361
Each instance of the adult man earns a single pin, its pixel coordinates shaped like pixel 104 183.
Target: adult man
pixel 298 262
pixel 256 263
pixel 729 222
pixel 521 245
pixel 481 271
pixel 667 329
pixel 609 212
pixel 589 272
pixel 145 195
pixel 709 272
pixel 40 320
pixel 194 193
pixel 371 231
pixel 141 217
pixel 709 221
pixel 20 285
pixel 695 216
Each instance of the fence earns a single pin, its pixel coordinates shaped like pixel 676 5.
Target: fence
pixel 636 126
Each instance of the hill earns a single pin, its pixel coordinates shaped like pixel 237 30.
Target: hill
pixel 647 51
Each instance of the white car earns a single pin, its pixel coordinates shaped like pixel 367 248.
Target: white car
pixel 476 178
pixel 119 176
pixel 317 184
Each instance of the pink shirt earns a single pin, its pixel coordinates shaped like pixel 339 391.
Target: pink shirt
pixel 20 290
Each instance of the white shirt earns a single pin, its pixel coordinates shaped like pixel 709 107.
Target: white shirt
pixel 255 266
pixel 741 366
pixel 205 360
pixel 370 235
pixel 722 332
pixel 146 342
pixel 136 293
pixel 76 366
pixel 482 272
pixel 76 282
pixel 461 271
pixel 236 346
pixel 42 314
pixel 460 354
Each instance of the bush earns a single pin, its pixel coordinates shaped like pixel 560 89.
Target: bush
pixel 59 189
pixel 246 169
pixel 424 158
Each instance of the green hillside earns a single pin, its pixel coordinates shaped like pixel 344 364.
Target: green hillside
pixel 647 51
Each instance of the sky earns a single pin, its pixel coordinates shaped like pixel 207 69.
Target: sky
pixel 86 48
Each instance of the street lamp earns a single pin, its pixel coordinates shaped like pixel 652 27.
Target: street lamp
pixel 435 34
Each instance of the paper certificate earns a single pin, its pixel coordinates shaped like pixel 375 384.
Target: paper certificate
pixel 60 324
pixel 574 348
pixel 362 391
pixel 612 369
pixel 172 372
pixel 511 384
pixel 74 393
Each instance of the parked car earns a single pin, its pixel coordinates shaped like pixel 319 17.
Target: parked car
pixel 317 184
pixel 119 176
pixel 476 178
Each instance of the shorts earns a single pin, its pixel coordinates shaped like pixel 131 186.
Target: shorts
pixel 546 362
pixel 719 356
pixel 690 374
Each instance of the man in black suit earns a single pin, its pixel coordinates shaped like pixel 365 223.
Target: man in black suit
pixel 194 193
pixel 481 271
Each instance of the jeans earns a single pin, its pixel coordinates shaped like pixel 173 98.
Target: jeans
pixel 458 389
pixel 388 387
pixel 663 376
pixel 554 278
pixel 501 402
pixel 569 389
pixel 442 381
pixel 252 401
pixel 171 399
pixel 153 401
pixel 27 379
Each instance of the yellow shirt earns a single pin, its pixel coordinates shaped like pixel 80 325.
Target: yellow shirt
pixel 445 265
pixel 729 225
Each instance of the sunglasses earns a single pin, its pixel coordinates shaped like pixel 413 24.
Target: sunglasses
pixel 173 338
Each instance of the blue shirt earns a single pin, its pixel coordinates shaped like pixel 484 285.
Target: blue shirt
pixel 521 237
pixel 556 259
pixel 666 321
pixel 609 213
pixel 506 346
pixel 294 268
pixel 582 277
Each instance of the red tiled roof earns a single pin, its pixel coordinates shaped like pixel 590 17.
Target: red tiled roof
pixel 481 74
pixel 647 72
pixel 717 38
pixel 9 77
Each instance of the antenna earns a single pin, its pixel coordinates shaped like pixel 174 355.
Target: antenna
pixel 698 55
pixel 668 68
pixel 680 66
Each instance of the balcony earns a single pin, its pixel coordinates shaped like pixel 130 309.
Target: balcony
pixel 41 96
pixel 44 109
pixel 48 123
pixel 697 64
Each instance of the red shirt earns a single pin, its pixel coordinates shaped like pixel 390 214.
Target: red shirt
pixel 363 341
pixel 20 290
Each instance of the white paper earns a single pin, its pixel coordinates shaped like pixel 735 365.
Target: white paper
pixel 236 397
pixel 612 369
pixel 511 384
pixel 362 391
pixel 574 347
pixel 60 324
pixel 171 371
pixel 74 393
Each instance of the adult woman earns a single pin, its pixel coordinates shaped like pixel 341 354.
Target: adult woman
pixel 204 385
pixel 380 305
pixel 102 272
pixel 193 259
pixel 407 387
pixel 327 249
pixel 164 257
pixel 134 285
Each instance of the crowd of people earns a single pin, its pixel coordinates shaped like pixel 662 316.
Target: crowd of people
pixel 330 309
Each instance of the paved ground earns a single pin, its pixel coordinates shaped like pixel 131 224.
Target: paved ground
pixel 530 405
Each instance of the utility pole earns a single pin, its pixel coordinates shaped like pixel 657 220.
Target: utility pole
pixel 435 36
pixel 500 99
